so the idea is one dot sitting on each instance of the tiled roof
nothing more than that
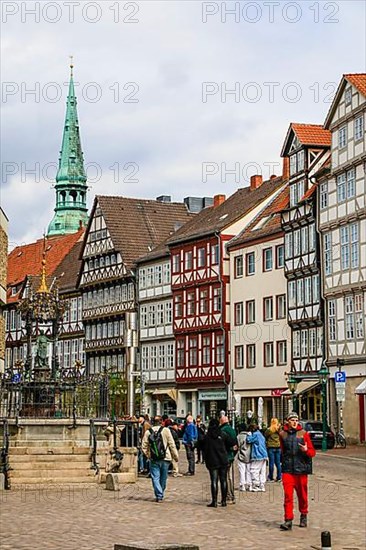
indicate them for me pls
(137, 226)
(309, 193)
(26, 259)
(270, 226)
(312, 134)
(67, 271)
(215, 219)
(358, 80)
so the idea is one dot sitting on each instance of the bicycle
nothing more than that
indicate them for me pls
(340, 439)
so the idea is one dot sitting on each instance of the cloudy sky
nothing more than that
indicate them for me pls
(154, 82)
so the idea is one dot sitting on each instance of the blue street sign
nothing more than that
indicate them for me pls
(340, 376)
(16, 378)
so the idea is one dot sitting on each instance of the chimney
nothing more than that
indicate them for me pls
(273, 177)
(255, 181)
(218, 199)
(286, 168)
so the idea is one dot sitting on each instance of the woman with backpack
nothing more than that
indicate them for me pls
(272, 435)
(245, 477)
(217, 445)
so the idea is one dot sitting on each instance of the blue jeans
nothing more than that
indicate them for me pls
(274, 456)
(159, 475)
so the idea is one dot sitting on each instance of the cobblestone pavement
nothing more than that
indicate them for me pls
(69, 518)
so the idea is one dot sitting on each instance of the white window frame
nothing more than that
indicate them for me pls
(342, 137)
(358, 127)
(323, 195)
(268, 354)
(239, 357)
(332, 320)
(327, 253)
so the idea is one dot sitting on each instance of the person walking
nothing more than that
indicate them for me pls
(229, 430)
(217, 445)
(158, 445)
(244, 451)
(297, 454)
(190, 441)
(272, 435)
(173, 427)
(201, 432)
(258, 459)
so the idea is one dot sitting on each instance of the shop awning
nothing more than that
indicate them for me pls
(303, 386)
(361, 388)
(255, 393)
(171, 392)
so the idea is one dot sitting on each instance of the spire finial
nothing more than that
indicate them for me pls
(43, 284)
(71, 65)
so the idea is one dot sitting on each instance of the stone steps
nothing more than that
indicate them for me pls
(50, 450)
(46, 457)
(53, 472)
(35, 482)
(36, 465)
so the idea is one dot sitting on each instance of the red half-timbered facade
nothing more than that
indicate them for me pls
(200, 288)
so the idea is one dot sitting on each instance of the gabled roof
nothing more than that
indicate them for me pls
(266, 223)
(67, 272)
(308, 134)
(358, 80)
(25, 260)
(137, 226)
(215, 219)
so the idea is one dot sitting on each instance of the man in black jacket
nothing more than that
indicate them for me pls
(173, 427)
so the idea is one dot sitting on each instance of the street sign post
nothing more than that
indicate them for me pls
(340, 376)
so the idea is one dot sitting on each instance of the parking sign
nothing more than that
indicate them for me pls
(340, 376)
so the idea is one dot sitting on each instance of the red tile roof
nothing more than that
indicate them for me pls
(312, 134)
(358, 80)
(270, 227)
(215, 219)
(309, 193)
(26, 259)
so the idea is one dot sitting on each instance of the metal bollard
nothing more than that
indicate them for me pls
(326, 541)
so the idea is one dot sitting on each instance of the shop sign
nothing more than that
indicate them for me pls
(277, 393)
(218, 395)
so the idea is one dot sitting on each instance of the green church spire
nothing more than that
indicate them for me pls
(71, 187)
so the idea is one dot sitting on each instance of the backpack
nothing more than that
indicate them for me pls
(244, 449)
(157, 449)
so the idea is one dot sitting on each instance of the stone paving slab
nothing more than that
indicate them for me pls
(91, 518)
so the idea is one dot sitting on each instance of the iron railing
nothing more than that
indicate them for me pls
(4, 453)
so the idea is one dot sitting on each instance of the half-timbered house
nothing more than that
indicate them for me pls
(200, 286)
(3, 277)
(342, 223)
(260, 342)
(308, 147)
(120, 230)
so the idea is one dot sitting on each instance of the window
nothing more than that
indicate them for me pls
(312, 342)
(268, 354)
(350, 325)
(176, 263)
(358, 128)
(192, 349)
(300, 160)
(204, 300)
(323, 195)
(293, 167)
(188, 260)
(250, 263)
(297, 242)
(267, 259)
(281, 306)
(307, 287)
(304, 343)
(178, 306)
(170, 356)
(219, 349)
(351, 187)
(292, 294)
(296, 343)
(342, 137)
(332, 320)
(238, 313)
(341, 187)
(312, 241)
(238, 266)
(150, 277)
(239, 357)
(359, 318)
(348, 96)
(180, 352)
(250, 311)
(328, 253)
(158, 275)
(201, 261)
(268, 309)
(304, 240)
(160, 315)
(152, 315)
(280, 256)
(143, 316)
(251, 356)
(168, 313)
(214, 254)
(153, 357)
(282, 352)
(344, 231)
(166, 273)
(216, 299)
(161, 357)
(289, 245)
(316, 289)
(354, 245)
(191, 303)
(300, 292)
(206, 350)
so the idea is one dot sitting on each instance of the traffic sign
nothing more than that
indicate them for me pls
(340, 376)
(340, 395)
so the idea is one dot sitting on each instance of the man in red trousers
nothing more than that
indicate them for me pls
(297, 452)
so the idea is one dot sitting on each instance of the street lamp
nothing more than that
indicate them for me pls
(292, 386)
(323, 377)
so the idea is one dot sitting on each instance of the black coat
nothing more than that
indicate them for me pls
(216, 446)
(175, 437)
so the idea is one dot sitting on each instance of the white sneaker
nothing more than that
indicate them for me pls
(242, 489)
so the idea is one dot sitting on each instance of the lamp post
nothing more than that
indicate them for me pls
(292, 386)
(323, 376)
